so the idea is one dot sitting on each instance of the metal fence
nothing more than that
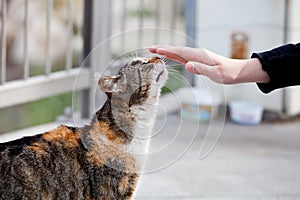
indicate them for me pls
(101, 20)
(30, 88)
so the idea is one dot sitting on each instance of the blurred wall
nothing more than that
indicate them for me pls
(263, 22)
(293, 93)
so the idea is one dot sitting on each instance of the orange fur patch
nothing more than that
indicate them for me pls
(105, 130)
(123, 185)
(46, 196)
(38, 148)
(154, 60)
(63, 135)
(113, 148)
(88, 198)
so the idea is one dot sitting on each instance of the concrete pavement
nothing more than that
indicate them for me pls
(248, 162)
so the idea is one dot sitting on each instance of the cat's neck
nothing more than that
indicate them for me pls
(130, 126)
(114, 117)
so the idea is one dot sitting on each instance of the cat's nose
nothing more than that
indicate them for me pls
(154, 60)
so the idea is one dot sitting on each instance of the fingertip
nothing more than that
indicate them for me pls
(155, 48)
(160, 50)
(152, 49)
(190, 66)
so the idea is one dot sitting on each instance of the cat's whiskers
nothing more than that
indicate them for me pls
(164, 59)
(176, 74)
(172, 70)
(131, 56)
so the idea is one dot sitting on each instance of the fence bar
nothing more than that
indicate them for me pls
(101, 56)
(190, 20)
(157, 20)
(48, 37)
(124, 15)
(86, 60)
(38, 87)
(3, 42)
(111, 17)
(87, 30)
(25, 50)
(69, 52)
(123, 21)
(173, 21)
(141, 23)
(285, 38)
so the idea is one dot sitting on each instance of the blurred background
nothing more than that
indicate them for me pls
(52, 51)
(43, 43)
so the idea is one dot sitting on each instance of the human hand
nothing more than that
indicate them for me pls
(218, 68)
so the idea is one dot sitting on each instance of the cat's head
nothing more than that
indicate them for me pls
(138, 82)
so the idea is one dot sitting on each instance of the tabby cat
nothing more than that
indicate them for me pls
(101, 160)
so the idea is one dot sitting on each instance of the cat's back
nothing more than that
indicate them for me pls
(41, 166)
(67, 163)
(40, 145)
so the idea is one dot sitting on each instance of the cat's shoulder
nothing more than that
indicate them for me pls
(63, 134)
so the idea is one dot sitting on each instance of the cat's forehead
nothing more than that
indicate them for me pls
(140, 59)
(142, 64)
(151, 60)
(135, 63)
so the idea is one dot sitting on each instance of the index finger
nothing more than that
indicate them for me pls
(185, 54)
(153, 49)
(171, 55)
(169, 52)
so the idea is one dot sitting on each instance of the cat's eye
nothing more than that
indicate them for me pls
(135, 62)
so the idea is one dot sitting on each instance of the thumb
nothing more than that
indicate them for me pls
(206, 70)
(195, 67)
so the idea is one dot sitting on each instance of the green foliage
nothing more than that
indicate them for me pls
(175, 81)
(33, 113)
(137, 13)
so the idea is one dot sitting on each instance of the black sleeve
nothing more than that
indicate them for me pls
(282, 65)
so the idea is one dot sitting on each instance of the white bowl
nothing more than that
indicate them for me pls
(246, 112)
(199, 104)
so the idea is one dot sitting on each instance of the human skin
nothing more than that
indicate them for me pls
(218, 68)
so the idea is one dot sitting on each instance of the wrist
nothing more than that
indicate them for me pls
(251, 71)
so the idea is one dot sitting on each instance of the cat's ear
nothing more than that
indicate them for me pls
(111, 84)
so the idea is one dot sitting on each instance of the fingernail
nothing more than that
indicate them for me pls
(191, 65)
(152, 48)
(160, 49)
